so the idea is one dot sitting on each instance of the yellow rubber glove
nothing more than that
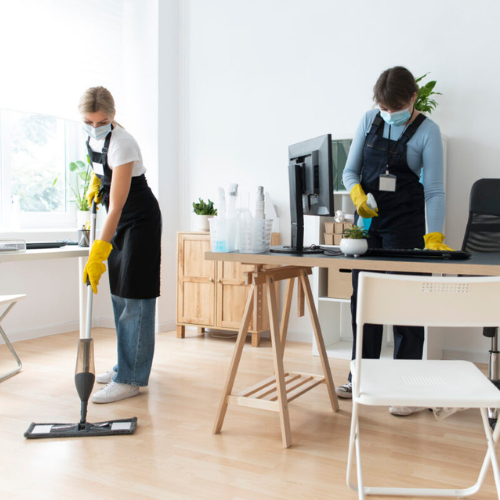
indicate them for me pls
(434, 241)
(359, 198)
(93, 190)
(95, 268)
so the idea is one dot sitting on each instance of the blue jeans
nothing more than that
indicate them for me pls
(135, 331)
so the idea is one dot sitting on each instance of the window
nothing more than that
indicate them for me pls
(36, 182)
(56, 50)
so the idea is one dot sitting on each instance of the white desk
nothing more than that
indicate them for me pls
(57, 253)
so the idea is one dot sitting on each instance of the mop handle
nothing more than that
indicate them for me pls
(90, 294)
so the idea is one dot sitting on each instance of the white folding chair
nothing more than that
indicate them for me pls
(425, 301)
(10, 301)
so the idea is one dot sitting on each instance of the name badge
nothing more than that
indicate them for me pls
(387, 182)
(98, 168)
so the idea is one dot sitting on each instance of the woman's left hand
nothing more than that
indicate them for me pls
(434, 241)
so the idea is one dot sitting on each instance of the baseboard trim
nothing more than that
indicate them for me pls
(166, 326)
(300, 336)
(46, 331)
(466, 355)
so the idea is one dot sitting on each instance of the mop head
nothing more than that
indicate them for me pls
(109, 428)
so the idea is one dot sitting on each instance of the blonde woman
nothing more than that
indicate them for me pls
(130, 240)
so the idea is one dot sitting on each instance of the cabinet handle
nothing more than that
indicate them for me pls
(211, 280)
(219, 281)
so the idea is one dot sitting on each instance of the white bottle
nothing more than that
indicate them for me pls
(221, 203)
(233, 197)
(259, 204)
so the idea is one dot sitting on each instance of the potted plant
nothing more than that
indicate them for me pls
(204, 211)
(424, 102)
(79, 189)
(354, 241)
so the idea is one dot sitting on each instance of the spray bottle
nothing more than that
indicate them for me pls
(233, 197)
(259, 203)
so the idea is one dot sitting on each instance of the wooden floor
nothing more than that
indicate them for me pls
(174, 455)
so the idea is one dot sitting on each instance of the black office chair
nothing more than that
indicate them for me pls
(482, 235)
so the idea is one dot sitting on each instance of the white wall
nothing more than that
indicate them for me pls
(268, 73)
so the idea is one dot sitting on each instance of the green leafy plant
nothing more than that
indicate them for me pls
(424, 102)
(79, 189)
(203, 208)
(355, 233)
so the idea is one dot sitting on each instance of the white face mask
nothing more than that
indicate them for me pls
(99, 132)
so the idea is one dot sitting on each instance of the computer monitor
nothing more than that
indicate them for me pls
(310, 173)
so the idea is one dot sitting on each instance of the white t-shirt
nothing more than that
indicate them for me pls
(123, 148)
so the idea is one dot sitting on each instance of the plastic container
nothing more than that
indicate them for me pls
(223, 234)
(83, 237)
(254, 235)
(12, 245)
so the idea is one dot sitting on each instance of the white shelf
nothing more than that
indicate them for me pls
(343, 350)
(333, 299)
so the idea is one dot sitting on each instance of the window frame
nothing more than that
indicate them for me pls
(74, 149)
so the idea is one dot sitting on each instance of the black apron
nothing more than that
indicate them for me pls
(401, 214)
(134, 263)
(400, 224)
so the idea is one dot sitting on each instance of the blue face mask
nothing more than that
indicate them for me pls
(99, 132)
(396, 119)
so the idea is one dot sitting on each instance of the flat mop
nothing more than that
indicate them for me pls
(84, 381)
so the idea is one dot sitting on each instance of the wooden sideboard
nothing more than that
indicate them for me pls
(213, 294)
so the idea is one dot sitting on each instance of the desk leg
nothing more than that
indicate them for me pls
(319, 340)
(82, 295)
(286, 312)
(279, 371)
(9, 345)
(235, 361)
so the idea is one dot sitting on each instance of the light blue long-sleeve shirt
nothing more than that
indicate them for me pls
(424, 155)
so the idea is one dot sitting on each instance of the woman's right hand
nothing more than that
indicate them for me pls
(359, 199)
(93, 190)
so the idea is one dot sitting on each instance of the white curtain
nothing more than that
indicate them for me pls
(51, 51)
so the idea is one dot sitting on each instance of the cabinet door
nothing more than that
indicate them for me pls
(232, 294)
(195, 281)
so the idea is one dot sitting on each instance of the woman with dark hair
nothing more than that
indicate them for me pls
(392, 147)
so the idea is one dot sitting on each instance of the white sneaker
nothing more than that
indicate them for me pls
(105, 378)
(344, 391)
(404, 411)
(115, 392)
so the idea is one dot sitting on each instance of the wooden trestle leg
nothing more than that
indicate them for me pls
(235, 361)
(274, 393)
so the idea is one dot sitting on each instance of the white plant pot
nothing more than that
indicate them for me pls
(349, 246)
(82, 217)
(202, 222)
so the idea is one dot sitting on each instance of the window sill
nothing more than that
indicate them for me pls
(34, 234)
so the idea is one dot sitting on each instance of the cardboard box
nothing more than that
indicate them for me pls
(340, 283)
(329, 227)
(348, 225)
(332, 239)
(339, 227)
(337, 238)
